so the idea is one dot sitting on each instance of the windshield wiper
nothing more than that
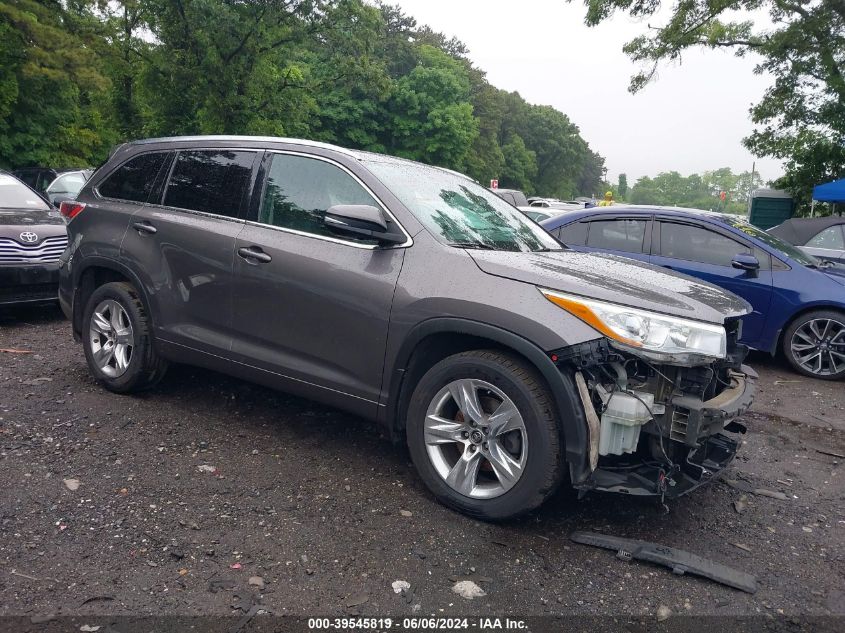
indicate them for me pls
(478, 245)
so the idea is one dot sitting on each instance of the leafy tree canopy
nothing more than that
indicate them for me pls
(78, 76)
(801, 117)
(696, 191)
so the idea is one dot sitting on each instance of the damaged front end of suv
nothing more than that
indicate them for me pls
(659, 394)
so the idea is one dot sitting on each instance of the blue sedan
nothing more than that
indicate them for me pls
(798, 301)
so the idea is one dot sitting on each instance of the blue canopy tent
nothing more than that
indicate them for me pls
(832, 192)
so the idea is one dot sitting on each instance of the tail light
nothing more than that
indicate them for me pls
(70, 208)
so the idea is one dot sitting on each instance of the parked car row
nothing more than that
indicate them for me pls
(413, 296)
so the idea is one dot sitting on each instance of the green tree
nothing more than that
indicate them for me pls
(622, 188)
(697, 191)
(432, 118)
(51, 85)
(77, 76)
(591, 179)
(520, 164)
(801, 117)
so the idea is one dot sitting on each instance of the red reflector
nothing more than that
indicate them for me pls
(554, 358)
(70, 208)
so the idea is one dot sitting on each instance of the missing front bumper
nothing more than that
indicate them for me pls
(682, 445)
(702, 465)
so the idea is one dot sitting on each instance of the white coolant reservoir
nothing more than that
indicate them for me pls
(622, 420)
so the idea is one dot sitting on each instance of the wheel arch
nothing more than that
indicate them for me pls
(777, 346)
(96, 272)
(435, 339)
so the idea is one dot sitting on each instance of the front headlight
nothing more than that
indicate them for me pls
(648, 334)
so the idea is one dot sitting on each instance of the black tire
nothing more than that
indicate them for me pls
(827, 373)
(145, 368)
(543, 470)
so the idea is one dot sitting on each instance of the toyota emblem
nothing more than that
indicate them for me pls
(29, 237)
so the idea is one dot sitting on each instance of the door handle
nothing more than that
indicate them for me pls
(144, 227)
(254, 253)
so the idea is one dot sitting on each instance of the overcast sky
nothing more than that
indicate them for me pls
(691, 119)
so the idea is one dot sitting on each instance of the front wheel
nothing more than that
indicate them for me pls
(482, 433)
(814, 344)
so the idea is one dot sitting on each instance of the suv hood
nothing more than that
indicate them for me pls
(616, 280)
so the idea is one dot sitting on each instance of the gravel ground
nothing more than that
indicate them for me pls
(210, 495)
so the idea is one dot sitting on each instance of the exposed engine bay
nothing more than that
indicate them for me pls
(658, 429)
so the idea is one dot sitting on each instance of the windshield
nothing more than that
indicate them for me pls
(770, 240)
(458, 211)
(16, 195)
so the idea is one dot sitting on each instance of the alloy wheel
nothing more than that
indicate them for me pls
(818, 346)
(475, 438)
(111, 336)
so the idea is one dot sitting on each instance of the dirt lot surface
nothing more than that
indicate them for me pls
(188, 494)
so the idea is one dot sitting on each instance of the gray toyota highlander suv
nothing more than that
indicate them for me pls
(413, 296)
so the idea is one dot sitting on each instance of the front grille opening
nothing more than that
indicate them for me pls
(48, 251)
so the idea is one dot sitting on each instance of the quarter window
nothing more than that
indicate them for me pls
(133, 181)
(211, 181)
(696, 244)
(830, 238)
(299, 191)
(617, 235)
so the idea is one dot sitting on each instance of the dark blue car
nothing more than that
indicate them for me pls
(798, 301)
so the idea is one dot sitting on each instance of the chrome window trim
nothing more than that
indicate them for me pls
(205, 214)
(408, 241)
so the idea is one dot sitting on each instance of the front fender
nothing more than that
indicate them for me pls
(570, 413)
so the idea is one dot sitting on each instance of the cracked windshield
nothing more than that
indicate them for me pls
(458, 211)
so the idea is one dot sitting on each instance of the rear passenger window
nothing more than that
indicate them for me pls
(574, 234)
(133, 181)
(211, 181)
(617, 235)
(299, 191)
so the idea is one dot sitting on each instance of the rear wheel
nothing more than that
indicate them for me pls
(814, 344)
(117, 342)
(482, 433)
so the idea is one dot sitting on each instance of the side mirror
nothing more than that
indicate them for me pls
(746, 261)
(360, 220)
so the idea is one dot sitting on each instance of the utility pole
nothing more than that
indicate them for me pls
(751, 186)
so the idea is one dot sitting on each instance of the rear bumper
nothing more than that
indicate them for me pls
(28, 283)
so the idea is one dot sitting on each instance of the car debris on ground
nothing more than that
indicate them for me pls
(679, 561)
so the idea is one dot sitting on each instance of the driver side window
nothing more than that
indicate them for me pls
(697, 244)
(300, 190)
